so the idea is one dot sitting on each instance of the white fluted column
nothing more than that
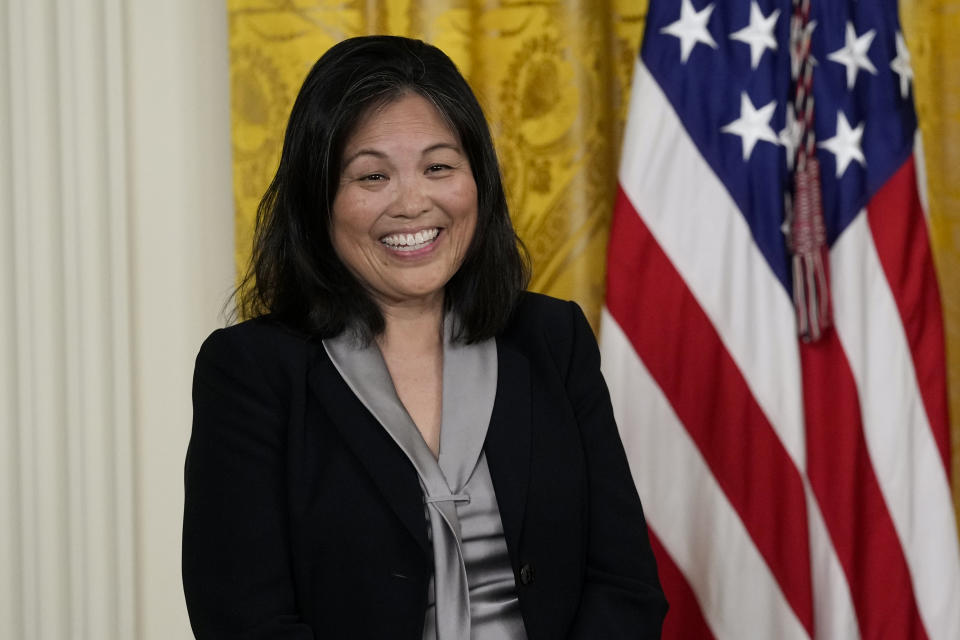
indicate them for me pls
(115, 255)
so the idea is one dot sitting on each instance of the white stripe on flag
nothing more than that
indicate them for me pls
(833, 613)
(689, 512)
(707, 239)
(904, 454)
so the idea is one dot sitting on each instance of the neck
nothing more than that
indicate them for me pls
(412, 327)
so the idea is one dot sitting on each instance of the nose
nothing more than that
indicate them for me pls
(412, 198)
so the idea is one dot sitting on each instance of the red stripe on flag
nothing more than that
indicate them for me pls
(900, 236)
(684, 618)
(846, 488)
(683, 353)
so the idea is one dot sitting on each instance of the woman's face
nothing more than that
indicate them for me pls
(406, 207)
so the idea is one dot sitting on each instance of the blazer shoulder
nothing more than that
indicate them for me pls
(536, 312)
(545, 327)
(256, 336)
(260, 344)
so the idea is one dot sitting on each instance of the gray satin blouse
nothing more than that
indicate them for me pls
(472, 593)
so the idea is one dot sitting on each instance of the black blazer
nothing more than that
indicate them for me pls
(303, 518)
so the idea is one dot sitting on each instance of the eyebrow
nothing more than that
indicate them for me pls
(379, 154)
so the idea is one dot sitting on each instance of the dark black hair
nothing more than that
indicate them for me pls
(294, 273)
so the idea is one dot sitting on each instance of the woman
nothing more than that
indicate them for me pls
(404, 444)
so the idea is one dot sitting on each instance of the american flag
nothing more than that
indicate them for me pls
(794, 488)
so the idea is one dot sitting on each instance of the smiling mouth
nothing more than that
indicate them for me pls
(411, 241)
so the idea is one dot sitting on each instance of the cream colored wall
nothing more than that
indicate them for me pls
(116, 254)
(182, 235)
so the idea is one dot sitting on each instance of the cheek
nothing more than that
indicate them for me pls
(468, 194)
(469, 217)
(463, 236)
(345, 238)
(463, 201)
(351, 217)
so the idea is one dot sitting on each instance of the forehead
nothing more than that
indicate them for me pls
(409, 116)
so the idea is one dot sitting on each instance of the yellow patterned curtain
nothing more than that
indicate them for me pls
(931, 28)
(553, 78)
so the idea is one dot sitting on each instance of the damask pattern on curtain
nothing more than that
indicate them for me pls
(931, 28)
(553, 78)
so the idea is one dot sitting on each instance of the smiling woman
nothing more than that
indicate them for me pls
(295, 275)
(399, 427)
(406, 208)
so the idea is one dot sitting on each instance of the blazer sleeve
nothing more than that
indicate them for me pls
(236, 557)
(621, 597)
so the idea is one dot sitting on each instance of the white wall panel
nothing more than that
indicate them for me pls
(182, 238)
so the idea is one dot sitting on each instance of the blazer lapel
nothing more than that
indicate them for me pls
(384, 461)
(508, 442)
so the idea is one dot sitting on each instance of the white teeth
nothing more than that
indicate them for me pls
(410, 241)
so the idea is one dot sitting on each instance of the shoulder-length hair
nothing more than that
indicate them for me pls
(295, 275)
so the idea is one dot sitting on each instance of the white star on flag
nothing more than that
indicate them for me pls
(691, 28)
(790, 135)
(901, 65)
(845, 144)
(759, 33)
(752, 125)
(853, 55)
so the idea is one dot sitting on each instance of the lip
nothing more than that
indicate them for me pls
(415, 253)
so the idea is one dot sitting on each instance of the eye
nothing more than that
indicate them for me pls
(435, 168)
(373, 177)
